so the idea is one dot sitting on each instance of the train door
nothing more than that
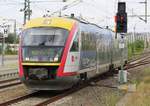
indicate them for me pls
(73, 58)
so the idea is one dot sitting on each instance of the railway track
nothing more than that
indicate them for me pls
(145, 54)
(48, 100)
(8, 75)
(9, 80)
(138, 62)
(17, 99)
(76, 88)
(53, 97)
(9, 83)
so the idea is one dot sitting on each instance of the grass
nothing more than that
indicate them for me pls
(135, 48)
(142, 96)
(111, 96)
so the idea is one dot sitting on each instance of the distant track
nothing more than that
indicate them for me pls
(17, 99)
(9, 74)
(9, 80)
(8, 69)
(139, 62)
(9, 83)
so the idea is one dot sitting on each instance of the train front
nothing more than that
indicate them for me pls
(42, 54)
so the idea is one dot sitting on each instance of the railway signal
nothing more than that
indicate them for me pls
(121, 18)
(121, 27)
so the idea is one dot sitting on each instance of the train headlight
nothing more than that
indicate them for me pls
(56, 58)
(51, 59)
(27, 58)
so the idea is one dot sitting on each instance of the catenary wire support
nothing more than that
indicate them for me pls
(141, 16)
(27, 11)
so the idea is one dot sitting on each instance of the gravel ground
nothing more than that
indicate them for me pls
(30, 102)
(99, 95)
(36, 99)
(135, 77)
(93, 95)
(12, 92)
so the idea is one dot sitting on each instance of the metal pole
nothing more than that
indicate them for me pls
(28, 9)
(3, 50)
(133, 39)
(15, 27)
(15, 33)
(25, 12)
(121, 78)
(122, 37)
(122, 72)
(146, 11)
(97, 56)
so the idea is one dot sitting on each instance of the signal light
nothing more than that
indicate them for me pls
(121, 18)
(121, 21)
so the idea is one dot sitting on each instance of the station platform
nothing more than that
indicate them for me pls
(10, 64)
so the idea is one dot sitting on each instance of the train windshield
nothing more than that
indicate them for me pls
(43, 44)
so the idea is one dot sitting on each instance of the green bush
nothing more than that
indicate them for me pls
(139, 45)
(9, 51)
(135, 48)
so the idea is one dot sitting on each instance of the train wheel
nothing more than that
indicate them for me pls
(125, 63)
(111, 69)
(83, 76)
(119, 68)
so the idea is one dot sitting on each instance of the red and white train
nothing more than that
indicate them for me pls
(55, 53)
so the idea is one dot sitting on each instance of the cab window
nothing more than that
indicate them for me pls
(75, 45)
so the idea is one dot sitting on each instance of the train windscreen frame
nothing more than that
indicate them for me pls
(43, 44)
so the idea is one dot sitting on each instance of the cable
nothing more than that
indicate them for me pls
(45, 1)
(38, 7)
(72, 4)
(96, 6)
(136, 15)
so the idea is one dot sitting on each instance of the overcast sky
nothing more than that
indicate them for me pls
(101, 12)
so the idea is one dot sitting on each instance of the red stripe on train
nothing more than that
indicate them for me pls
(20, 61)
(65, 53)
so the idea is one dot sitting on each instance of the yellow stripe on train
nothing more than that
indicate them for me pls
(50, 22)
(40, 64)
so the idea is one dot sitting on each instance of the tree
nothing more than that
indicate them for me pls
(11, 38)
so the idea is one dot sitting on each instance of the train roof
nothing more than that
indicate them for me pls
(61, 22)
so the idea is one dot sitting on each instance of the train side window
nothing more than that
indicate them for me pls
(75, 45)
